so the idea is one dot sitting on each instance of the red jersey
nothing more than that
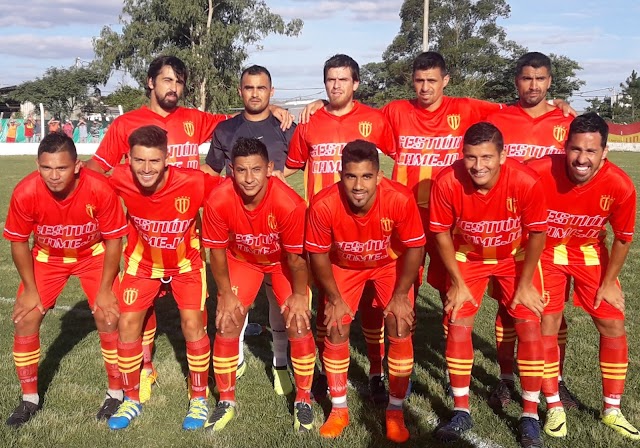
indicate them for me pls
(578, 213)
(318, 144)
(431, 141)
(69, 229)
(186, 130)
(162, 240)
(493, 226)
(362, 242)
(526, 137)
(256, 236)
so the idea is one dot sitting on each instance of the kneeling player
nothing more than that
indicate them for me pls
(78, 223)
(365, 230)
(584, 191)
(495, 209)
(162, 247)
(254, 225)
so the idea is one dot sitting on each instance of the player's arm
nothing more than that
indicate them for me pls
(94, 166)
(526, 294)
(30, 298)
(283, 116)
(296, 306)
(311, 109)
(106, 300)
(214, 162)
(400, 305)
(228, 303)
(564, 106)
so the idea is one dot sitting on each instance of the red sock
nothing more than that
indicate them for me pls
(225, 364)
(26, 355)
(505, 342)
(198, 358)
(400, 365)
(336, 366)
(373, 330)
(614, 361)
(530, 364)
(321, 329)
(109, 346)
(303, 360)
(550, 376)
(148, 336)
(459, 356)
(563, 332)
(129, 363)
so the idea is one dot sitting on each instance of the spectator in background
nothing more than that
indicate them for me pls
(54, 125)
(37, 130)
(96, 129)
(82, 131)
(12, 131)
(29, 128)
(67, 128)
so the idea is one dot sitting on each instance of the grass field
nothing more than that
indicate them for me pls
(72, 378)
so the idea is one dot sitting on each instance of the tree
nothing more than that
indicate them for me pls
(627, 106)
(211, 37)
(128, 97)
(601, 107)
(62, 91)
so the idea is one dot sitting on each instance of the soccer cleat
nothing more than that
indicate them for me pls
(22, 414)
(556, 423)
(502, 394)
(302, 417)
(396, 430)
(197, 414)
(530, 436)
(568, 400)
(335, 424)
(109, 407)
(126, 412)
(615, 420)
(378, 391)
(222, 414)
(319, 387)
(453, 430)
(147, 379)
(281, 380)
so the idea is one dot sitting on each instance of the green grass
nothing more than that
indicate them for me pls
(72, 379)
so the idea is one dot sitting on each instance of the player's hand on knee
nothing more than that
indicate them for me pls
(402, 309)
(334, 311)
(299, 313)
(229, 312)
(457, 296)
(27, 301)
(611, 294)
(107, 302)
(529, 297)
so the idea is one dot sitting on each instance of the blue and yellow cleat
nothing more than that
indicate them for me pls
(197, 414)
(126, 412)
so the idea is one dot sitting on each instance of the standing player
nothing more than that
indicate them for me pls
(365, 230)
(78, 223)
(494, 208)
(254, 225)
(531, 129)
(317, 147)
(162, 203)
(584, 192)
(257, 121)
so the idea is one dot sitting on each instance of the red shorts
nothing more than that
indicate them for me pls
(246, 279)
(351, 283)
(586, 281)
(138, 294)
(52, 277)
(504, 275)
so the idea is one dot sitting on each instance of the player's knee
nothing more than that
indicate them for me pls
(294, 332)
(192, 327)
(334, 336)
(610, 328)
(101, 322)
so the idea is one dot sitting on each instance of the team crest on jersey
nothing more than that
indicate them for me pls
(386, 224)
(453, 121)
(90, 208)
(365, 128)
(130, 295)
(182, 204)
(560, 133)
(605, 202)
(512, 205)
(272, 222)
(189, 128)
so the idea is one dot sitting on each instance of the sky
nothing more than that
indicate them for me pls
(603, 37)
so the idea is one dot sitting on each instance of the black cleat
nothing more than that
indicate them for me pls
(109, 407)
(320, 387)
(22, 414)
(530, 434)
(378, 391)
(502, 394)
(566, 397)
(452, 431)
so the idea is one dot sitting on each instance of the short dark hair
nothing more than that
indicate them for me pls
(150, 136)
(342, 60)
(590, 122)
(429, 60)
(255, 70)
(533, 59)
(57, 142)
(245, 147)
(179, 68)
(484, 132)
(360, 151)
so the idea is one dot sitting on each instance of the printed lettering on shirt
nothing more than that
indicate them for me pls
(531, 151)
(483, 233)
(260, 244)
(563, 225)
(184, 151)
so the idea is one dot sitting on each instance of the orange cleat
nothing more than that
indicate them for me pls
(335, 424)
(396, 430)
